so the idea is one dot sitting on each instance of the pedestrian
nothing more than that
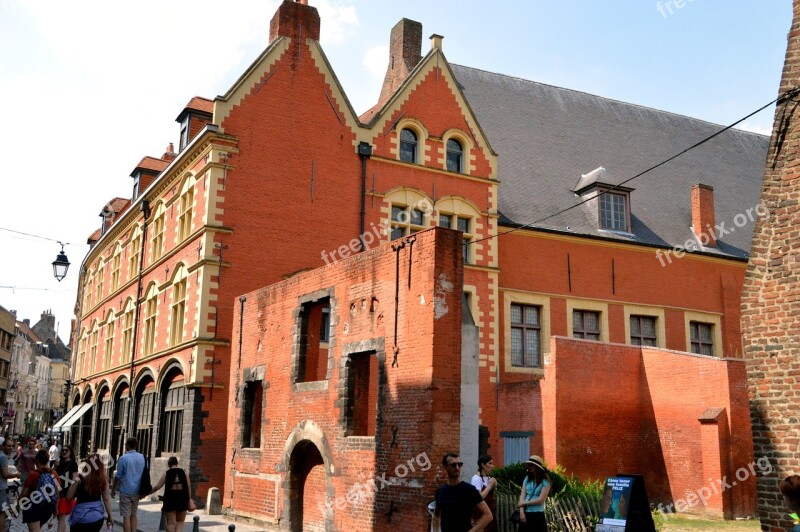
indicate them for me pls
(66, 469)
(486, 486)
(5, 474)
(90, 491)
(177, 495)
(53, 450)
(128, 478)
(790, 489)
(456, 501)
(41, 491)
(533, 495)
(26, 461)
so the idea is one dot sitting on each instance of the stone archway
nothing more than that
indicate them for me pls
(307, 488)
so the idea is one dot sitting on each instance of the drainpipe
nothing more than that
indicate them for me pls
(365, 152)
(146, 212)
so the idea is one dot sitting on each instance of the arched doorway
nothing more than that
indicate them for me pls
(103, 419)
(119, 420)
(307, 488)
(143, 415)
(83, 425)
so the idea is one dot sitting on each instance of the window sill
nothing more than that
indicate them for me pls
(525, 370)
(310, 386)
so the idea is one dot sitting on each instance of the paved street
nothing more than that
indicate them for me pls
(150, 518)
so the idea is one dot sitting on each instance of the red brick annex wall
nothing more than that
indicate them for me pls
(305, 425)
(681, 420)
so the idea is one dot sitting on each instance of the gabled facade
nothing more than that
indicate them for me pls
(283, 177)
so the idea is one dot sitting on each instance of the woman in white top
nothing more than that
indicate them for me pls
(486, 485)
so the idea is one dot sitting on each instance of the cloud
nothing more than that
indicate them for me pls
(755, 128)
(376, 60)
(339, 20)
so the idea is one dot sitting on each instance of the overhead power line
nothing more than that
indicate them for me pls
(780, 100)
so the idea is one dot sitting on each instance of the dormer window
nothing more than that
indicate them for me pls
(455, 154)
(608, 201)
(184, 132)
(136, 181)
(614, 212)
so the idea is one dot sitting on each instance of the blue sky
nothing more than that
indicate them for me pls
(92, 86)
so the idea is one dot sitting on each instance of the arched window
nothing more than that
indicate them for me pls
(99, 283)
(127, 332)
(178, 307)
(133, 256)
(187, 205)
(109, 347)
(158, 233)
(455, 156)
(408, 146)
(104, 420)
(115, 262)
(93, 345)
(150, 312)
(173, 400)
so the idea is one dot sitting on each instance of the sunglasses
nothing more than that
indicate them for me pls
(455, 464)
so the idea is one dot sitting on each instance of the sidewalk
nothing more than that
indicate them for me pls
(149, 519)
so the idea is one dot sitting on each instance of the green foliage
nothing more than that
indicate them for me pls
(658, 518)
(509, 481)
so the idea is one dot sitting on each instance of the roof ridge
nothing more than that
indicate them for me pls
(640, 106)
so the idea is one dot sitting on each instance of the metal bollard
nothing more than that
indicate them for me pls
(196, 525)
(231, 528)
(163, 524)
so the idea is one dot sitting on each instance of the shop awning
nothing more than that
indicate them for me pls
(57, 426)
(75, 417)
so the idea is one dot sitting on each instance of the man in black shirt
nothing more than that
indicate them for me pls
(456, 500)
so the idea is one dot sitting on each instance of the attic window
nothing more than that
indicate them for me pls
(614, 212)
(184, 132)
(408, 146)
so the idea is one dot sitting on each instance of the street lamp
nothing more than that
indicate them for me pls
(60, 265)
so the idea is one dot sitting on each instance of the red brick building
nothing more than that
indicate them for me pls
(279, 175)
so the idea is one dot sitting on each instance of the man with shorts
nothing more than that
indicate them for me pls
(128, 479)
(456, 500)
(5, 474)
(53, 450)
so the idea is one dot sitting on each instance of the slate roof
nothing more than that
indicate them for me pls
(547, 137)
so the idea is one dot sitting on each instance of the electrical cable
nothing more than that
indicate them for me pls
(780, 100)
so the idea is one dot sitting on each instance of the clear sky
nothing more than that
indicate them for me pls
(90, 87)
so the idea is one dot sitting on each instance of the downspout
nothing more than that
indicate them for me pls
(146, 212)
(365, 152)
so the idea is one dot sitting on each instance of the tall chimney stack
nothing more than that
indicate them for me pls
(703, 214)
(295, 20)
(405, 47)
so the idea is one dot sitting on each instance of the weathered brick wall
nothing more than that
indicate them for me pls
(418, 400)
(611, 408)
(771, 301)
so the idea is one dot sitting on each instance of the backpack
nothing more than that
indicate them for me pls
(48, 486)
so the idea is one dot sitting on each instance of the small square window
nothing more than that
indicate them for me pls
(702, 337)
(643, 330)
(614, 212)
(586, 324)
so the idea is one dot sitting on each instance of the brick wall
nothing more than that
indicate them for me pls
(771, 302)
(612, 408)
(416, 410)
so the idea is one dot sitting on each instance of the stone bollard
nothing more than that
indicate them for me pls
(196, 524)
(213, 502)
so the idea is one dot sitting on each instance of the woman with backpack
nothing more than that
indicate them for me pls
(93, 497)
(177, 495)
(533, 495)
(43, 481)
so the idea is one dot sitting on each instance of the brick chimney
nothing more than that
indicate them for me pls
(170, 154)
(405, 47)
(293, 20)
(703, 214)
